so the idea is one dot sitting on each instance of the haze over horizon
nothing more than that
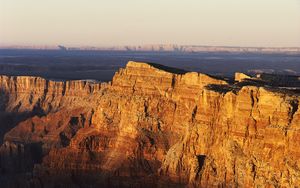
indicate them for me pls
(247, 23)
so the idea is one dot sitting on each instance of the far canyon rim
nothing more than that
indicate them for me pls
(102, 65)
(150, 94)
(151, 126)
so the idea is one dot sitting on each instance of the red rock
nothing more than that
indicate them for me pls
(151, 126)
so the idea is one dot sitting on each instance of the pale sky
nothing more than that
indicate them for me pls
(136, 22)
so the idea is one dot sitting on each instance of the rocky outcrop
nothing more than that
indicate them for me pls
(26, 93)
(238, 77)
(151, 126)
(245, 141)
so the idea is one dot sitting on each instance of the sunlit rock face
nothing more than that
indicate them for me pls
(152, 126)
(238, 77)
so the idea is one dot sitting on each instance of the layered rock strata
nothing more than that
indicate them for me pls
(151, 126)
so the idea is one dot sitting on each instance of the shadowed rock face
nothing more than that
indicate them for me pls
(151, 126)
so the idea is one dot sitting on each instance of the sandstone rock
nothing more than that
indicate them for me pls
(151, 126)
(238, 77)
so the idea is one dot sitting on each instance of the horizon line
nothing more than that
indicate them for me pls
(49, 46)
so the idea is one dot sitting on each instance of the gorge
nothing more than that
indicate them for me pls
(151, 126)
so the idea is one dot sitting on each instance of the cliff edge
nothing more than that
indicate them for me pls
(151, 126)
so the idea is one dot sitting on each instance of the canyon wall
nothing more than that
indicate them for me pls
(151, 126)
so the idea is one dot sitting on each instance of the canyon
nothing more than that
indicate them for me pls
(151, 126)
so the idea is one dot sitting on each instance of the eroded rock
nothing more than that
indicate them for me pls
(151, 126)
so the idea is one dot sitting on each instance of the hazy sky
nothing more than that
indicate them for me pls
(132, 22)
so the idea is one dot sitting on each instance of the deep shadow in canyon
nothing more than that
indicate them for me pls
(152, 126)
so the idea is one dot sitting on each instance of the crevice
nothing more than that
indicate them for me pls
(45, 90)
(194, 113)
(173, 81)
(146, 109)
(201, 161)
(252, 99)
(30, 100)
(91, 117)
(294, 108)
(64, 88)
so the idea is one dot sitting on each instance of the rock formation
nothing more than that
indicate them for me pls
(238, 77)
(151, 126)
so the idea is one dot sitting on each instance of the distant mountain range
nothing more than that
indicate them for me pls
(170, 48)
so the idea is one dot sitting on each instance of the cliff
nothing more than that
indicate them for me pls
(152, 126)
